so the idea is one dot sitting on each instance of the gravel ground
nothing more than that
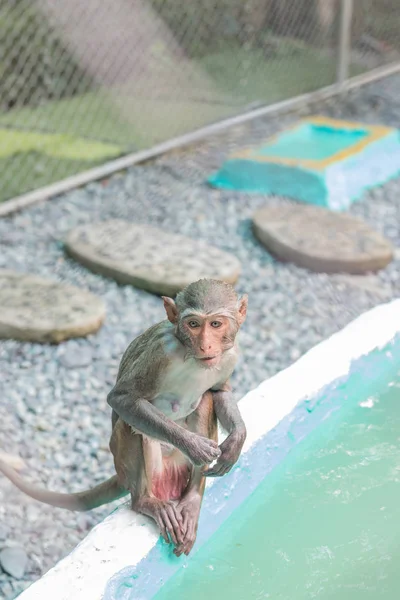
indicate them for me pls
(56, 416)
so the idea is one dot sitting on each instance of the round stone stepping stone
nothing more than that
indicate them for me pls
(320, 240)
(147, 257)
(36, 309)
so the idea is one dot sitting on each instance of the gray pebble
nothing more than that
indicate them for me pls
(4, 531)
(6, 590)
(75, 357)
(14, 561)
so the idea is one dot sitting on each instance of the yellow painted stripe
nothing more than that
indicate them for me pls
(376, 132)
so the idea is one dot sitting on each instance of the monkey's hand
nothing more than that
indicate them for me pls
(230, 452)
(200, 450)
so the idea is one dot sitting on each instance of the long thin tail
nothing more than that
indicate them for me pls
(103, 493)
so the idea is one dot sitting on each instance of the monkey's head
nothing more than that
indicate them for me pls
(207, 315)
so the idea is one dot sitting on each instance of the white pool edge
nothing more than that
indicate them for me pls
(124, 538)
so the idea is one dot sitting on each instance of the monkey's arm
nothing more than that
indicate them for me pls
(145, 418)
(227, 410)
(229, 416)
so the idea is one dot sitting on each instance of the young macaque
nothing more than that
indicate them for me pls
(172, 386)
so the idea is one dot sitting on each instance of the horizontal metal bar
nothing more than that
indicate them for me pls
(65, 185)
(371, 76)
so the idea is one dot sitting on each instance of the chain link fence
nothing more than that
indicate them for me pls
(85, 82)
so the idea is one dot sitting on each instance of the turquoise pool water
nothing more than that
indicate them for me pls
(313, 142)
(325, 523)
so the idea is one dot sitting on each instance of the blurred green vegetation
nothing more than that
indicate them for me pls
(244, 76)
(45, 92)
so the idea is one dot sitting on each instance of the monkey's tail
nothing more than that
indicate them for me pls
(103, 493)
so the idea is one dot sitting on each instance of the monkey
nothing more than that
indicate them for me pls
(172, 387)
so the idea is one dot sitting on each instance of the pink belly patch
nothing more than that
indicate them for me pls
(172, 482)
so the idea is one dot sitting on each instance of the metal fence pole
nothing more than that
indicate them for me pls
(343, 64)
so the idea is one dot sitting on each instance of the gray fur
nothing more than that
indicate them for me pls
(208, 295)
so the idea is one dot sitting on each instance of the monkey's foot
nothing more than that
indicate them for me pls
(189, 509)
(165, 514)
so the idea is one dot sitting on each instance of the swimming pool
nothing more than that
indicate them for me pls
(325, 523)
(309, 512)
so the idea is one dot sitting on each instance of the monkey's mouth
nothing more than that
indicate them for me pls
(209, 360)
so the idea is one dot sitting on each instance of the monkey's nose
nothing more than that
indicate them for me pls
(205, 347)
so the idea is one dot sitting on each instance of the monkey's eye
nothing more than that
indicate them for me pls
(193, 324)
(216, 324)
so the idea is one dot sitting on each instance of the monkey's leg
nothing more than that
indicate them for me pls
(204, 422)
(140, 469)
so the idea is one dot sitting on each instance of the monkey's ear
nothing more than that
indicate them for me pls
(242, 310)
(170, 309)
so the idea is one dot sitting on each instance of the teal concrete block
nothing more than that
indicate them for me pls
(320, 161)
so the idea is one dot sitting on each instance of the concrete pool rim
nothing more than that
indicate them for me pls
(123, 556)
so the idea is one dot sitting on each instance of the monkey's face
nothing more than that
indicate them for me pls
(207, 321)
(207, 337)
